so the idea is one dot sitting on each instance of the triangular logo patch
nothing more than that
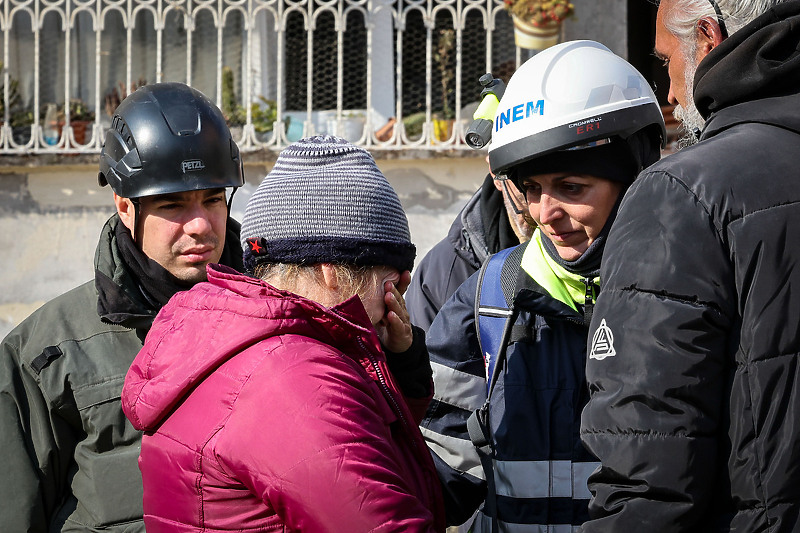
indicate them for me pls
(602, 342)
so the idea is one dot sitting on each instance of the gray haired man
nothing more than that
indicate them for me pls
(694, 346)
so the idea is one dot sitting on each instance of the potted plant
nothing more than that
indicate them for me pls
(443, 120)
(413, 125)
(235, 114)
(21, 122)
(13, 95)
(352, 124)
(264, 113)
(229, 103)
(537, 23)
(80, 118)
(19, 119)
(116, 95)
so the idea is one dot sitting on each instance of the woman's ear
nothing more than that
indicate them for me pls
(329, 277)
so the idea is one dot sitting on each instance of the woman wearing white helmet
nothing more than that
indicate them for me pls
(573, 129)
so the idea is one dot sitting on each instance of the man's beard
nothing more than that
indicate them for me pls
(691, 120)
(691, 124)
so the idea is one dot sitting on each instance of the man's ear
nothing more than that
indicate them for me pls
(126, 211)
(497, 184)
(709, 36)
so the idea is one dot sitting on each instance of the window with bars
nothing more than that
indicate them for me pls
(378, 73)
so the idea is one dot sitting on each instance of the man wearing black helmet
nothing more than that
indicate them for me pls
(70, 454)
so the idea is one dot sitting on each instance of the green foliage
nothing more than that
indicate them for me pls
(413, 124)
(18, 116)
(263, 113)
(445, 46)
(264, 116)
(230, 107)
(78, 110)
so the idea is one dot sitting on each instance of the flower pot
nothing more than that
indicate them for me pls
(442, 128)
(353, 128)
(237, 134)
(350, 128)
(79, 128)
(526, 35)
(264, 136)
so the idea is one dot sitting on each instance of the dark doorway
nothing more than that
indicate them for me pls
(641, 38)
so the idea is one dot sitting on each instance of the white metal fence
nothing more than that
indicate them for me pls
(396, 74)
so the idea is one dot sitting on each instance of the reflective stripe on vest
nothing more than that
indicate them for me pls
(460, 454)
(459, 389)
(543, 479)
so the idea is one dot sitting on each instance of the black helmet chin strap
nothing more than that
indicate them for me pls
(230, 200)
(136, 211)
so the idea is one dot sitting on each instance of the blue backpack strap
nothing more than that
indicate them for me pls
(491, 312)
(492, 315)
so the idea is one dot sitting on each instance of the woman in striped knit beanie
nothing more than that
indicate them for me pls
(288, 399)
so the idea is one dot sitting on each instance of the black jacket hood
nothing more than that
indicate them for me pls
(120, 297)
(749, 71)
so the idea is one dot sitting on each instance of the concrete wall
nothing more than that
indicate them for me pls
(600, 20)
(51, 216)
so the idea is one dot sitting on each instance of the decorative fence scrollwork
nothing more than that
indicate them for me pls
(396, 75)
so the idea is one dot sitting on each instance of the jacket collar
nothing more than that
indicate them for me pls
(121, 298)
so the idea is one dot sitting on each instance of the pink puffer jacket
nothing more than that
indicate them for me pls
(264, 411)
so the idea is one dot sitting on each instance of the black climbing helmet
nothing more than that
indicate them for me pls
(166, 138)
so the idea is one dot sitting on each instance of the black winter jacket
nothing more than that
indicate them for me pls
(694, 348)
(482, 228)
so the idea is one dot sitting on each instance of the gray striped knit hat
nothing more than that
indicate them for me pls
(325, 201)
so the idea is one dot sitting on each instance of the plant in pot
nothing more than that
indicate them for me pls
(13, 95)
(235, 114)
(116, 95)
(413, 125)
(80, 119)
(264, 113)
(445, 46)
(21, 122)
(352, 125)
(537, 23)
(19, 119)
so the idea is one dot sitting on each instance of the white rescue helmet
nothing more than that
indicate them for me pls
(572, 95)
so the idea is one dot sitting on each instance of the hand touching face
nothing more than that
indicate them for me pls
(387, 308)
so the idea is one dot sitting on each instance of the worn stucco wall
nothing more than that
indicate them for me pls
(51, 216)
(600, 20)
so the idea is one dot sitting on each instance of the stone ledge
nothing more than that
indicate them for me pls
(16, 163)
